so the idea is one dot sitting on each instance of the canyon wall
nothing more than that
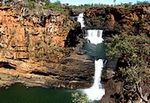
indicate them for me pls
(133, 20)
(130, 23)
(40, 47)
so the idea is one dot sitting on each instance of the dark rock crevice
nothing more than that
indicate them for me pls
(7, 65)
(73, 38)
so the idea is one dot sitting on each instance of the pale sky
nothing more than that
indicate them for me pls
(79, 2)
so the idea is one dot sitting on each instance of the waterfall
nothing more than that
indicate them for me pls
(96, 91)
(95, 37)
(80, 19)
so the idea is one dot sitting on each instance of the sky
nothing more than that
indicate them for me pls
(79, 2)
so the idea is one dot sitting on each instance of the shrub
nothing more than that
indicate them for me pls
(79, 98)
(128, 46)
(135, 51)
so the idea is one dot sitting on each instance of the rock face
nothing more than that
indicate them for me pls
(133, 20)
(21, 35)
(38, 48)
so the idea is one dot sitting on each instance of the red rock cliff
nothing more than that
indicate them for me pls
(113, 20)
(33, 49)
(20, 35)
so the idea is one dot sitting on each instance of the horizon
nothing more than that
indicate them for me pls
(109, 2)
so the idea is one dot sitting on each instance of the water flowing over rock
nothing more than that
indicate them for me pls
(81, 19)
(95, 92)
(119, 21)
(94, 36)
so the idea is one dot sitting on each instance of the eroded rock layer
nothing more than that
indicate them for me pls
(133, 20)
(39, 47)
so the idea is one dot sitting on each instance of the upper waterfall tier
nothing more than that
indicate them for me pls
(81, 19)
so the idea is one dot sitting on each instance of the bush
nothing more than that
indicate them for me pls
(130, 47)
(135, 51)
(79, 98)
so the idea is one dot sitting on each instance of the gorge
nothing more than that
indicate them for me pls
(47, 53)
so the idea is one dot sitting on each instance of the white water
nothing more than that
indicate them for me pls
(95, 92)
(94, 36)
(81, 19)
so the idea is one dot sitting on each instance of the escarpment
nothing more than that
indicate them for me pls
(114, 20)
(127, 35)
(41, 45)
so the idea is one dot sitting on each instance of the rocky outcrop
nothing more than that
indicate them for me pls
(72, 72)
(21, 35)
(40, 47)
(120, 92)
(133, 20)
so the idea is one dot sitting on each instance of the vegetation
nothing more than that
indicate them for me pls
(55, 6)
(31, 4)
(124, 5)
(143, 2)
(79, 98)
(134, 51)
(133, 69)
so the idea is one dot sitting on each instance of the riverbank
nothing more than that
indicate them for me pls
(55, 75)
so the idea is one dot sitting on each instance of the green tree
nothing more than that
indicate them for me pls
(133, 50)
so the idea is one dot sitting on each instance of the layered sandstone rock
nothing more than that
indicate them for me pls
(133, 20)
(20, 35)
(38, 47)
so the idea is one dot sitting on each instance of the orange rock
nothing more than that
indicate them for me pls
(27, 32)
(58, 40)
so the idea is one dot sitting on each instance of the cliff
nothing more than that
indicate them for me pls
(127, 36)
(114, 20)
(39, 47)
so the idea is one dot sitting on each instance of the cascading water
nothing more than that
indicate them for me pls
(96, 91)
(95, 37)
(80, 19)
